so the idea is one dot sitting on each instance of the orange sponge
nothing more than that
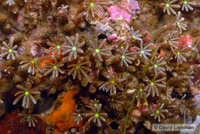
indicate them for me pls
(63, 117)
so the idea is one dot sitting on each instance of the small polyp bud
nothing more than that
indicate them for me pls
(17, 78)
(73, 130)
(82, 24)
(17, 36)
(92, 89)
(15, 9)
(61, 12)
(7, 28)
(3, 19)
(52, 90)
(69, 27)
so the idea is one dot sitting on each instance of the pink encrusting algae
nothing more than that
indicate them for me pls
(115, 12)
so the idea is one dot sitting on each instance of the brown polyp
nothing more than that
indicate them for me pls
(3, 19)
(92, 89)
(84, 82)
(70, 26)
(82, 24)
(73, 130)
(53, 90)
(15, 9)
(26, 21)
(18, 79)
(17, 36)
(4, 4)
(7, 28)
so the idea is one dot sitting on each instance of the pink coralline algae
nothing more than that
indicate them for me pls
(115, 12)
(132, 50)
(162, 53)
(142, 108)
(112, 38)
(133, 7)
(94, 74)
(111, 70)
(186, 40)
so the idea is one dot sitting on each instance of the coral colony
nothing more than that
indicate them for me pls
(98, 66)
